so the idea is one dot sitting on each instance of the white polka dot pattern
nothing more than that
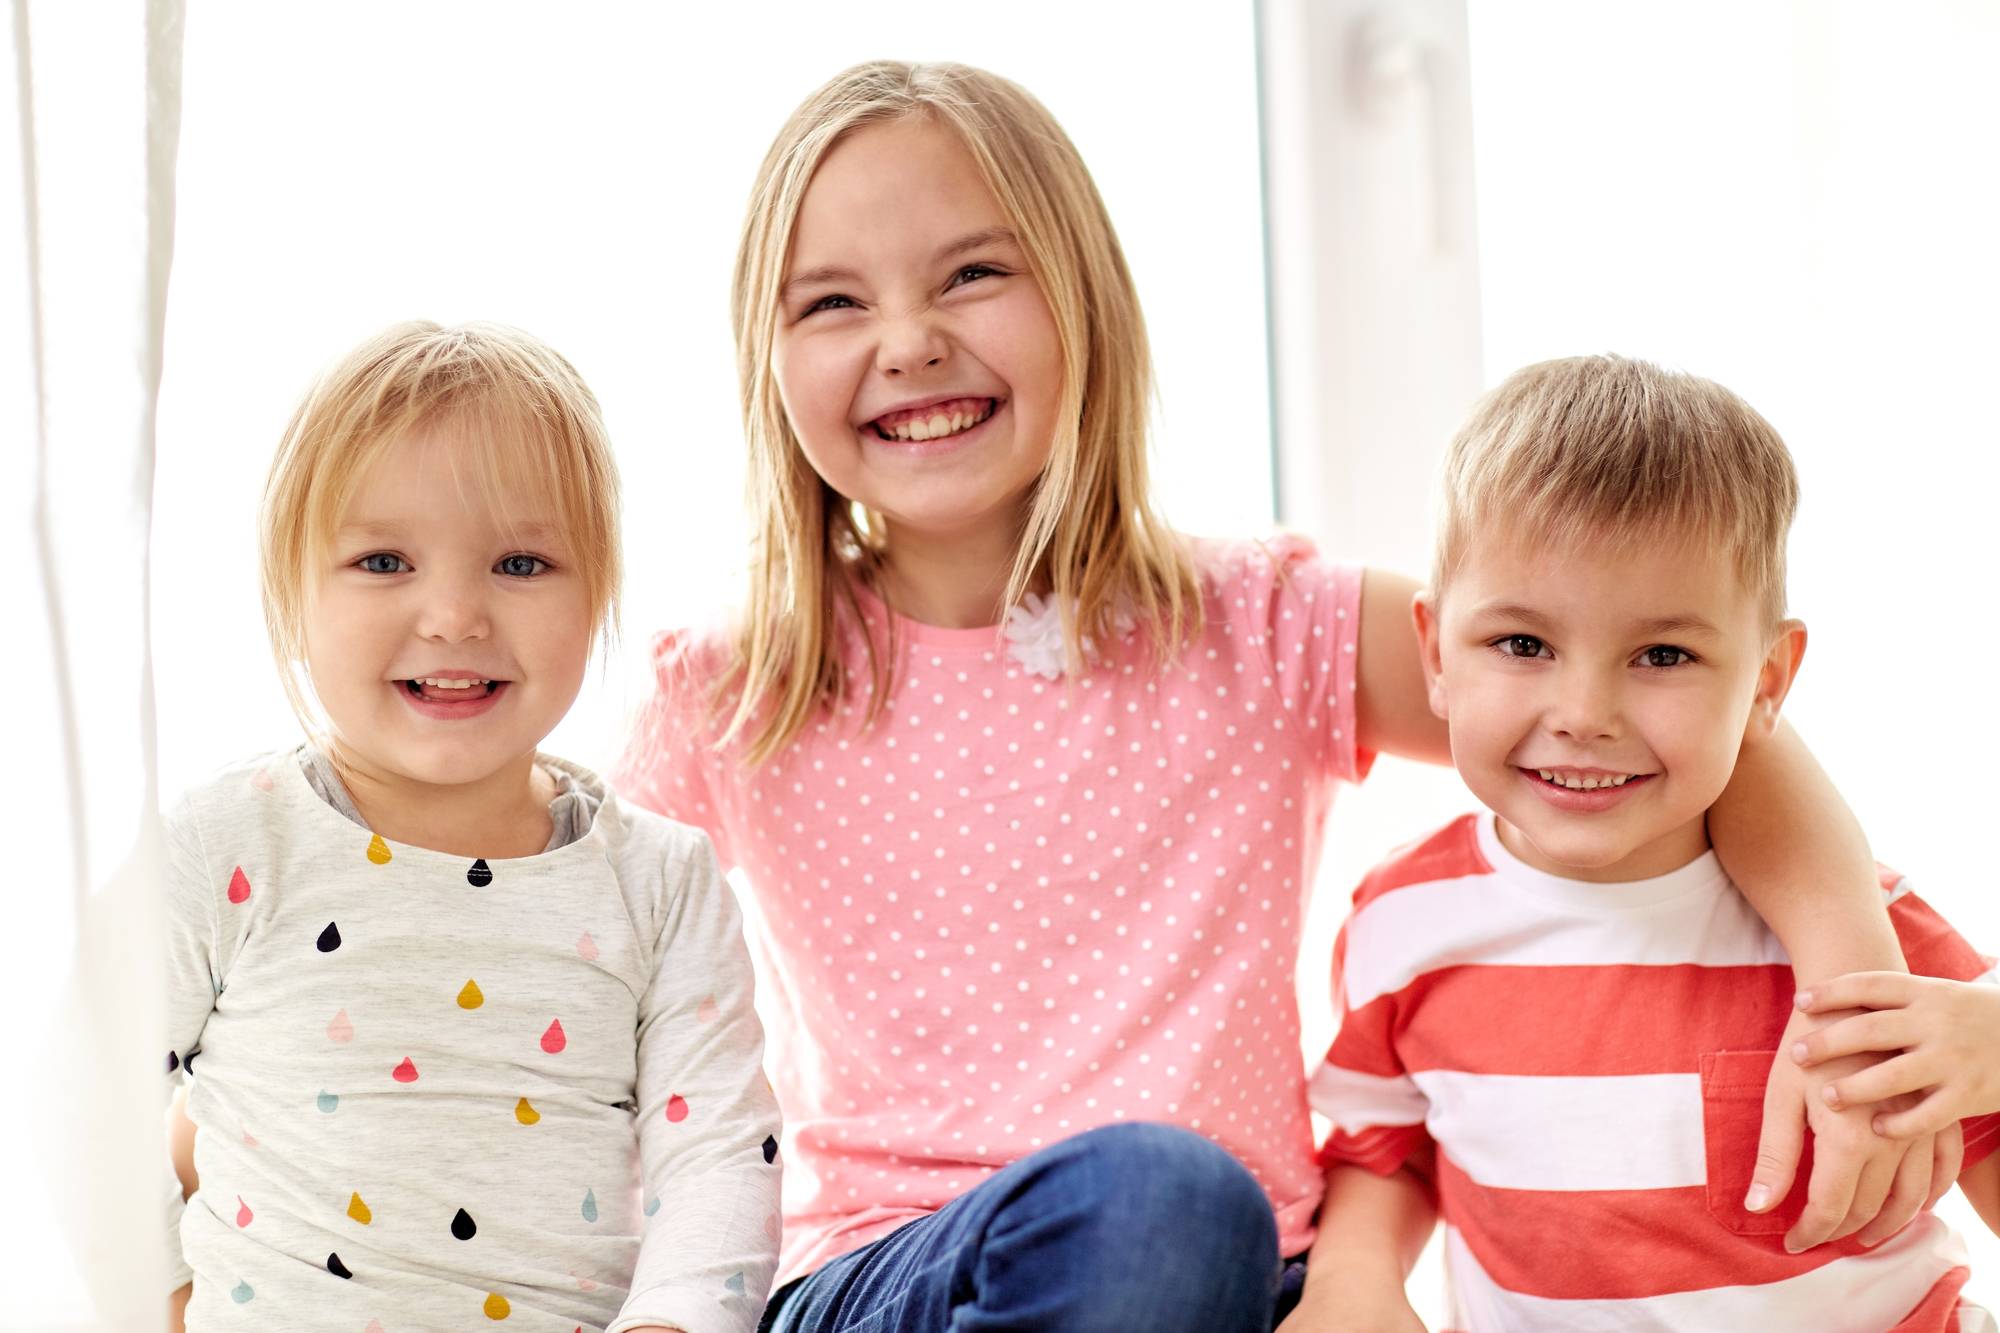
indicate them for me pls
(1016, 908)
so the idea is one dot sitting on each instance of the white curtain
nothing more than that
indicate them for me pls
(89, 121)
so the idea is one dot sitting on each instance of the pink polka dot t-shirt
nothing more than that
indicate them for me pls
(1020, 905)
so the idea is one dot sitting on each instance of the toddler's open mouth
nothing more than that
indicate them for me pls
(451, 689)
(936, 422)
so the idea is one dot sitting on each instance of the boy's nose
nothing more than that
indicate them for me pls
(1584, 708)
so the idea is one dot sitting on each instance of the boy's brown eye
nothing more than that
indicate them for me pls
(1521, 645)
(1663, 656)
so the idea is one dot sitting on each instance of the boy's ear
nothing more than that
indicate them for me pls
(1423, 608)
(1775, 677)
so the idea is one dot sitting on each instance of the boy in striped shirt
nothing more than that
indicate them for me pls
(1558, 1014)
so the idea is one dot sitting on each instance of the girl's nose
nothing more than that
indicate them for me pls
(454, 613)
(910, 345)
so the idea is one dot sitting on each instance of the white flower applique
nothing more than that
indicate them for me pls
(1035, 635)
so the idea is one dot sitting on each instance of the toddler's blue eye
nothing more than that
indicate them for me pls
(521, 566)
(381, 562)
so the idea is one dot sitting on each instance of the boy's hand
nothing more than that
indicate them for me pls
(1861, 1181)
(1943, 1038)
(1358, 1308)
(177, 1305)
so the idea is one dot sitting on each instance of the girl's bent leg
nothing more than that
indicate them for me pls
(1122, 1228)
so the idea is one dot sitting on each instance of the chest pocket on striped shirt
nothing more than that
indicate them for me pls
(1732, 1111)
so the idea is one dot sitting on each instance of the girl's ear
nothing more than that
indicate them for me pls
(1423, 608)
(1775, 677)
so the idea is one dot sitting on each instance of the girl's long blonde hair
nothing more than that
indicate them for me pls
(1091, 536)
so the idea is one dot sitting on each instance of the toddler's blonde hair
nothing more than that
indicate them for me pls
(1091, 537)
(524, 421)
(1607, 448)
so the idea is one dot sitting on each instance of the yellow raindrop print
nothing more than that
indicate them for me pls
(525, 1113)
(470, 998)
(497, 1307)
(378, 850)
(359, 1210)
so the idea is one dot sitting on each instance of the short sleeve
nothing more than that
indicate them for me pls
(1932, 948)
(1376, 1109)
(669, 763)
(1306, 612)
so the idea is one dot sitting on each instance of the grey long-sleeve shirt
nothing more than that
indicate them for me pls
(445, 1093)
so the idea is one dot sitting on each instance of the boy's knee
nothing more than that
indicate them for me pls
(1159, 1173)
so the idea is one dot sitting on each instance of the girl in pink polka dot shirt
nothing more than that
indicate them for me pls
(1027, 788)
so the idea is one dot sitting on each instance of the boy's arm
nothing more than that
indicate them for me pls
(1981, 1186)
(1371, 1230)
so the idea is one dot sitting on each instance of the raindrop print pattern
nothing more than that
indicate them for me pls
(356, 1017)
(677, 1109)
(1044, 905)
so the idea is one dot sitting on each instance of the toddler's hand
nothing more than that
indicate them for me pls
(1861, 1182)
(1945, 1036)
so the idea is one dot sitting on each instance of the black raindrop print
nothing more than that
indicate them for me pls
(173, 1062)
(329, 939)
(335, 1267)
(462, 1225)
(480, 875)
(770, 1150)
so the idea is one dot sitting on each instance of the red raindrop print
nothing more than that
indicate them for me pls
(677, 1109)
(553, 1040)
(243, 1213)
(239, 887)
(405, 1072)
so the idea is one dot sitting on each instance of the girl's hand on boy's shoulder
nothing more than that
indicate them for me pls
(1863, 1184)
(1942, 1037)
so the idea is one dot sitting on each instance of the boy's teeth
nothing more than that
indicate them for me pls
(450, 684)
(1575, 783)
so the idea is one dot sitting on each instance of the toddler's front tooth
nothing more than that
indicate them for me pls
(919, 430)
(1546, 775)
(940, 425)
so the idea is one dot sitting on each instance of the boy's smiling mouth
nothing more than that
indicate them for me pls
(1585, 779)
(933, 421)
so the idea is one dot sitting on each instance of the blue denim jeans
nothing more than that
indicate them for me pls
(1127, 1227)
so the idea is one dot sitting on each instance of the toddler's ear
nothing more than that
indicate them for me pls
(1775, 677)
(1423, 607)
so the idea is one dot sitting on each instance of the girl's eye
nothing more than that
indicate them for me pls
(1522, 645)
(1665, 655)
(522, 566)
(381, 562)
(828, 303)
(971, 273)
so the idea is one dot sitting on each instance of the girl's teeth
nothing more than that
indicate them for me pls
(452, 684)
(936, 426)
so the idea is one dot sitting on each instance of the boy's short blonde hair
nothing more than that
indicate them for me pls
(1606, 448)
(524, 421)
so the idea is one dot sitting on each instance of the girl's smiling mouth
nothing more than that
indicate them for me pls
(452, 696)
(939, 420)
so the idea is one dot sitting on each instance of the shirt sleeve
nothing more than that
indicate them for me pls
(192, 984)
(669, 760)
(1376, 1108)
(708, 1122)
(1932, 948)
(1307, 610)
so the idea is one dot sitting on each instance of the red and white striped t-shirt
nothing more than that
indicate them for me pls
(1590, 1061)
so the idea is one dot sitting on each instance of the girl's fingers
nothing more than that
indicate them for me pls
(1878, 1030)
(1929, 1116)
(1892, 1078)
(1947, 1156)
(1859, 990)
